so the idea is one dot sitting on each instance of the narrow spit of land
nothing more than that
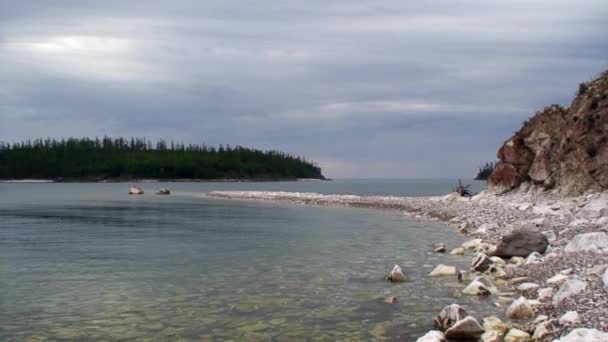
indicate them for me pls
(488, 218)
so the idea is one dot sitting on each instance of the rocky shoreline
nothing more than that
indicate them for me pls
(559, 293)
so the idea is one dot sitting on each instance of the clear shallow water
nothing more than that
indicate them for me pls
(87, 262)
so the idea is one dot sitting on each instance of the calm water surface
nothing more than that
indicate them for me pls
(87, 262)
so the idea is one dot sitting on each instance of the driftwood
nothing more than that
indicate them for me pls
(463, 190)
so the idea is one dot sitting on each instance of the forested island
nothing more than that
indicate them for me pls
(86, 159)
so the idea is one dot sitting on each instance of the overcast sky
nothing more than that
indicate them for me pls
(388, 88)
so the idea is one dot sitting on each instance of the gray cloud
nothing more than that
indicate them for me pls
(390, 89)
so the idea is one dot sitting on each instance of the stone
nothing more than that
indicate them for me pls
(432, 336)
(135, 190)
(567, 271)
(540, 318)
(588, 242)
(584, 335)
(534, 258)
(597, 270)
(397, 274)
(545, 294)
(517, 261)
(527, 286)
(467, 328)
(448, 316)
(516, 335)
(520, 309)
(490, 336)
(481, 263)
(498, 261)
(493, 323)
(595, 208)
(390, 300)
(521, 243)
(440, 248)
(480, 286)
(557, 279)
(443, 270)
(457, 251)
(568, 289)
(569, 318)
(472, 244)
(605, 279)
(543, 330)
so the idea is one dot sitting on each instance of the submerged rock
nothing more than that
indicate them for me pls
(448, 316)
(457, 251)
(440, 248)
(478, 287)
(521, 244)
(467, 328)
(135, 190)
(397, 274)
(520, 309)
(443, 270)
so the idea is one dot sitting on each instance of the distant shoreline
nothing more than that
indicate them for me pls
(146, 180)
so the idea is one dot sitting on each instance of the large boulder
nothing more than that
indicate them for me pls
(570, 288)
(465, 329)
(588, 242)
(448, 316)
(520, 309)
(521, 244)
(585, 335)
(396, 274)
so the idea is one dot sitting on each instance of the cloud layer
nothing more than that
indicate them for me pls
(367, 89)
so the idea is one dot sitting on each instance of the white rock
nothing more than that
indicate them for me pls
(517, 261)
(443, 270)
(525, 206)
(592, 242)
(527, 286)
(498, 260)
(584, 335)
(472, 244)
(550, 236)
(550, 256)
(569, 318)
(545, 294)
(567, 271)
(605, 279)
(520, 309)
(534, 258)
(397, 274)
(432, 336)
(597, 270)
(493, 323)
(568, 289)
(540, 319)
(595, 208)
(557, 279)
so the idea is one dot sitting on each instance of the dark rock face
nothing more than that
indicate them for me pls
(521, 243)
(560, 147)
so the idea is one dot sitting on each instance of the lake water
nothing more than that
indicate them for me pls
(88, 262)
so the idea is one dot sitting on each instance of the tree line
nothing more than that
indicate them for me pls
(116, 158)
(485, 170)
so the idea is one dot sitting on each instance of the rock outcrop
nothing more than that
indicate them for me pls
(560, 147)
(448, 316)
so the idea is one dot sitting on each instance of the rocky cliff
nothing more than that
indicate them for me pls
(562, 148)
